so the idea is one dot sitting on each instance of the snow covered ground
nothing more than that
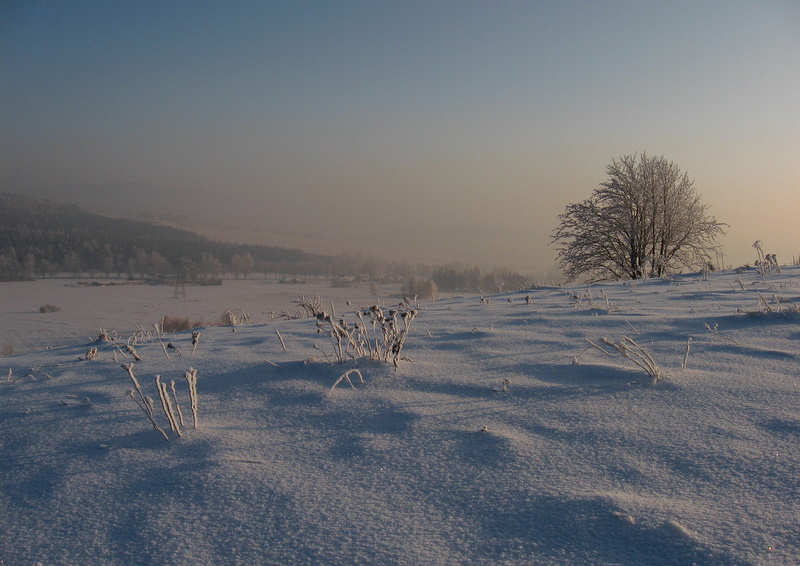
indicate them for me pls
(87, 305)
(573, 460)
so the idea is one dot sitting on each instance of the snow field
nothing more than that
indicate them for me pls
(433, 463)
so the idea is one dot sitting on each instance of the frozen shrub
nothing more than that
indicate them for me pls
(312, 307)
(424, 289)
(234, 318)
(378, 334)
(178, 323)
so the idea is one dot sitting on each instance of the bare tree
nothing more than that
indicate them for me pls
(647, 219)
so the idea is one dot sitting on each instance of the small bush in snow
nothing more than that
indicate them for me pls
(178, 323)
(91, 354)
(378, 334)
(765, 263)
(312, 307)
(235, 318)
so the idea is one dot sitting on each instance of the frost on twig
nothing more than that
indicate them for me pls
(191, 380)
(177, 406)
(132, 351)
(159, 332)
(167, 406)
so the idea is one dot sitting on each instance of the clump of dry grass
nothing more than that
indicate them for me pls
(639, 356)
(168, 397)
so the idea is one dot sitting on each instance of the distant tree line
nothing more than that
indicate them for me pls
(41, 238)
(467, 280)
(473, 280)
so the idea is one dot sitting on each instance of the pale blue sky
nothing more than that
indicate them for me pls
(473, 123)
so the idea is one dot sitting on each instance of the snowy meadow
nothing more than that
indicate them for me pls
(653, 422)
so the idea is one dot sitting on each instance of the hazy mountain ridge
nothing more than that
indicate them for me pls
(223, 217)
(132, 200)
(41, 235)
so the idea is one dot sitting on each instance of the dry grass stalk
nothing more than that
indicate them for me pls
(716, 332)
(177, 406)
(686, 355)
(195, 341)
(174, 348)
(145, 403)
(283, 344)
(346, 375)
(637, 355)
(167, 406)
(160, 341)
(576, 359)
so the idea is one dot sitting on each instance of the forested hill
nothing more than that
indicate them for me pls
(41, 237)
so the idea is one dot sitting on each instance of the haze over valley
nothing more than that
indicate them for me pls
(453, 132)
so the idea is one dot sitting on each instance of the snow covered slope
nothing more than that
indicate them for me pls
(511, 433)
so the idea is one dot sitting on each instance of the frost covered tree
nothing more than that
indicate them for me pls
(647, 219)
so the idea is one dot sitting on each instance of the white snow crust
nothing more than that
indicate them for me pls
(577, 461)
